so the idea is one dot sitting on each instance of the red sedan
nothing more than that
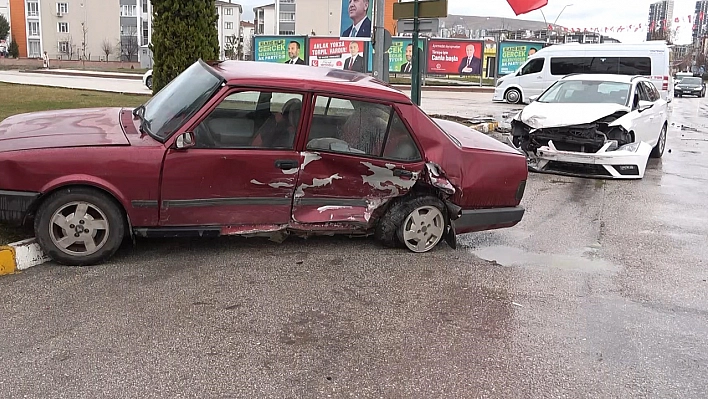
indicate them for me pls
(254, 149)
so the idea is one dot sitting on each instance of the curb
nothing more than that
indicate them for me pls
(20, 256)
(85, 74)
(486, 127)
(458, 88)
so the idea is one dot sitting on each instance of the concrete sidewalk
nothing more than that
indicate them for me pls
(86, 73)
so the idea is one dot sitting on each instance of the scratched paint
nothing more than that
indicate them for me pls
(254, 181)
(371, 206)
(332, 208)
(281, 185)
(310, 157)
(290, 171)
(300, 192)
(381, 176)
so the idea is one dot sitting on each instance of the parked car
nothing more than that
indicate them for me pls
(549, 64)
(690, 86)
(604, 126)
(147, 79)
(250, 148)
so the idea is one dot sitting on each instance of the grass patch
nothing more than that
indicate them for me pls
(17, 99)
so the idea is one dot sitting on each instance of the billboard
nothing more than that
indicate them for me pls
(356, 19)
(398, 55)
(513, 54)
(340, 53)
(282, 49)
(455, 57)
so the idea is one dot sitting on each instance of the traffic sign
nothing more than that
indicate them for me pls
(426, 9)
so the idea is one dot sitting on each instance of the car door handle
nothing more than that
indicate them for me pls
(286, 164)
(402, 173)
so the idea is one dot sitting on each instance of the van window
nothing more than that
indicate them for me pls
(616, 65)
(533, 66)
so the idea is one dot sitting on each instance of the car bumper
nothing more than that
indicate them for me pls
(14, 206)
(473, 220)
(498, 94)
(618, 164)
(688, 92)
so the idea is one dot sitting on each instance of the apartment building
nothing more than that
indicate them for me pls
(247, 32)
(700, 26)
(660, 16)
(228, 26)
(264, 19)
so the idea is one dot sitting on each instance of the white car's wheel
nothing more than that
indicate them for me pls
(658, 150)
(513, 96)
(148, 82)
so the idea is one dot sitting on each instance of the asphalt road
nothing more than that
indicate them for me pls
(599, 292)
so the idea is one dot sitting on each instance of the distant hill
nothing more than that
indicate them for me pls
(490, 23)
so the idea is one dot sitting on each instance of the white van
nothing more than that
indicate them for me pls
(649, 59)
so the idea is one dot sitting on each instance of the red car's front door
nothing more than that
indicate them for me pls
(357, 156)
(243, 169)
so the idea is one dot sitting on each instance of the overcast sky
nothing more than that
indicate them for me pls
(582, 14)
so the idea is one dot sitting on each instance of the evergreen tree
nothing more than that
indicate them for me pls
(4, 27)
(183, 32)
(14, 49)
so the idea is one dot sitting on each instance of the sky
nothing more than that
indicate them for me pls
(582, 14)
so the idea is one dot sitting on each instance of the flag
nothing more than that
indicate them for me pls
(525, 6)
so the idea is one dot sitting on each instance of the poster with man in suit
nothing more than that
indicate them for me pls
(356, 61)
(294, 53)
(356, 18)
(470, 65)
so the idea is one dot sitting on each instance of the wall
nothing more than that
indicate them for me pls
(321, 16)
(21, 63)
(269, 21)
(18, 29)
(102, 21)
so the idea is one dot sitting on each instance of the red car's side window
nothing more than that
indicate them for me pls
(361, 128)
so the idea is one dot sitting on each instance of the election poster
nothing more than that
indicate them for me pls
(400, 55)
(282, 49)
(340, 53)
(513, 54)
(356, 19)
(455, 57)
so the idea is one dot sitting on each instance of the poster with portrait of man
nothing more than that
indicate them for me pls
(356, 19)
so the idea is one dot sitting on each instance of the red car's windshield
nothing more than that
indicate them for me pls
(172, 106)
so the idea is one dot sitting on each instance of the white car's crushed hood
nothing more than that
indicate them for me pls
(539, 115)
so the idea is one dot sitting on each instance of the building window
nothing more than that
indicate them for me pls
(287, 16)
(145, 6)
(128, 30)
(128, 10)
(34, 49)
(64, 47)
(62, 8)
(228, 11)
(287, 32)
(228, 25)
(145, 32)
(33, 28)
(32, 9)
(63, 27)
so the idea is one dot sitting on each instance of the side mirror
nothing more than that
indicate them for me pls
(185, 140)
(644, 105)
(533, 98)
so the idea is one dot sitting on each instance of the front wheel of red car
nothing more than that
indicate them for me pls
(79, 226)
(417, 222)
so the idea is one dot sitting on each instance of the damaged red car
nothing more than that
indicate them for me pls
(244, 148)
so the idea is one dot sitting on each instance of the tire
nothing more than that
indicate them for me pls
(658, 150)
(513, 96)
(391, 229)
(148, 82)
(103, 225)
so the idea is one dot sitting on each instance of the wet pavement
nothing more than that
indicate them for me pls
(601, 291)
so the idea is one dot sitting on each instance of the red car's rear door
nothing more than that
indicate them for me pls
(357, 155)
(244, 167)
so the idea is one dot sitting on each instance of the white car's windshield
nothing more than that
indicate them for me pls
(170, 108)
(587, 91)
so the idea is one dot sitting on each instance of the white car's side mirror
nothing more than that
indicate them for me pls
(644, 105)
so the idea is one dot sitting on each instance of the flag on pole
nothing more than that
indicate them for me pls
(526, 6)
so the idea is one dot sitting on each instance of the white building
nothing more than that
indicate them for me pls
(265, 20)
(323, 17)
(229, 26)
(247, 32)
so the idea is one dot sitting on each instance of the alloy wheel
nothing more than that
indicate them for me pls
(423, 229)
(79, 228)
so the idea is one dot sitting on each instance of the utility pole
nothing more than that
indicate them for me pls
(379, 40)
(415, 76)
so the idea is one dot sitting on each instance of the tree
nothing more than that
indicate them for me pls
(183, 32)
(129, 47)
(233, 48)
(4, 27)
(14, 49)
(107, 48)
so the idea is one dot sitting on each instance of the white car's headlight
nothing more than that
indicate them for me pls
(632, 147)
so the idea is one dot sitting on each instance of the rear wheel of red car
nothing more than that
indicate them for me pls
(417, 222)
(79, 226)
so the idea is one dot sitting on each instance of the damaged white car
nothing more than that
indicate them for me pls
(593, 125)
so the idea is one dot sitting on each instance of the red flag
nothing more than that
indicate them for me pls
(525, 6)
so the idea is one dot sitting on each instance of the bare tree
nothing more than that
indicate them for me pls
(107, 48)
(129, 47)
(69, 48)
(233, 48)
(84, 30)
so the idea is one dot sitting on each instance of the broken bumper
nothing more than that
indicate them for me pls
(488, 219)
(14, 205)
(628, 162)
